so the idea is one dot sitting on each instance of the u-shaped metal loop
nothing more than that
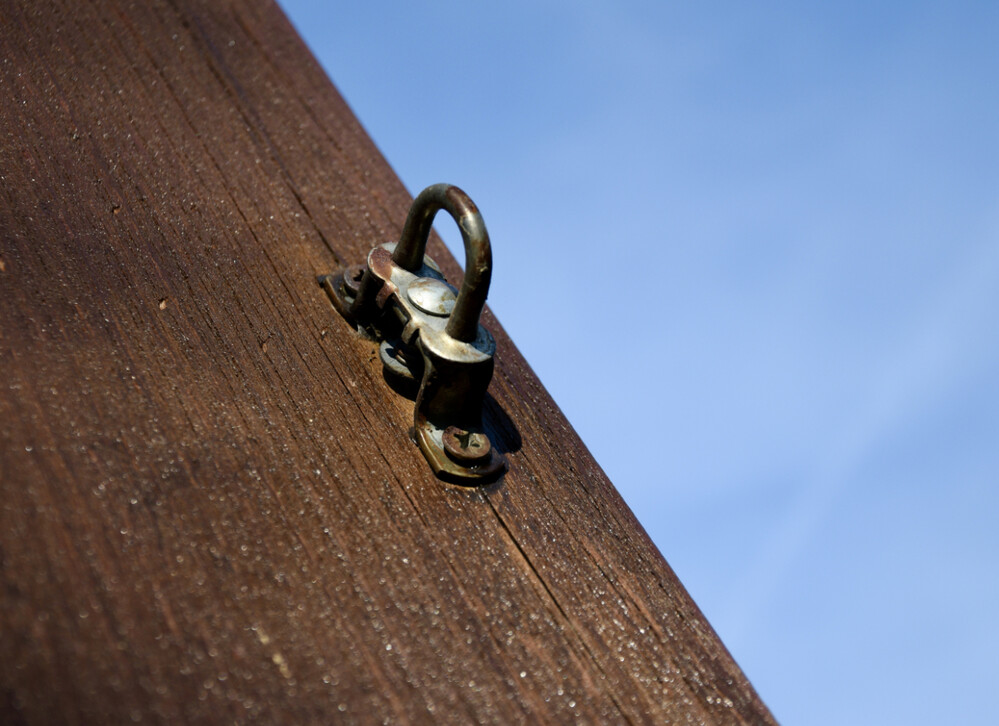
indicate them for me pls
(452, 361)
(463, 324)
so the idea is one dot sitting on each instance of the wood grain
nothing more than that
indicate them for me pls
(210, 507)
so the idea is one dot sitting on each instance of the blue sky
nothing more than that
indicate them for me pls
(764, 239)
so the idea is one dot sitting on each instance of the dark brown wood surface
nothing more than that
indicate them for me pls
(210, 507)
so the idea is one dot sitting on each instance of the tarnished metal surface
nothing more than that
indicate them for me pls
(429, 334)
(432, 296)
(466, 446)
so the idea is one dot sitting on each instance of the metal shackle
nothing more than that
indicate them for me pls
(463, 324)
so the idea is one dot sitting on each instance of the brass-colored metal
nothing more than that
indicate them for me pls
(403, 300)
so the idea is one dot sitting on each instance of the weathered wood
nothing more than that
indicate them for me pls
(211, 508)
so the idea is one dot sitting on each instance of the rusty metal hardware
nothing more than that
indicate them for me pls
(431, 342)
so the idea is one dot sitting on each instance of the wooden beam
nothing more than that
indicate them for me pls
(210, 506)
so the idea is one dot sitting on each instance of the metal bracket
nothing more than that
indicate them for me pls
(430, 336)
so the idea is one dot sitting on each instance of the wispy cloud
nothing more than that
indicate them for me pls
(957, 331)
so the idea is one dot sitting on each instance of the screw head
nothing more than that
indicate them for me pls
(466, 447)
(352, 278)
(432, 296)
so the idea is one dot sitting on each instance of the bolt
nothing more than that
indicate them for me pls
(352, 278)
(466, 447)
(432, 296)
